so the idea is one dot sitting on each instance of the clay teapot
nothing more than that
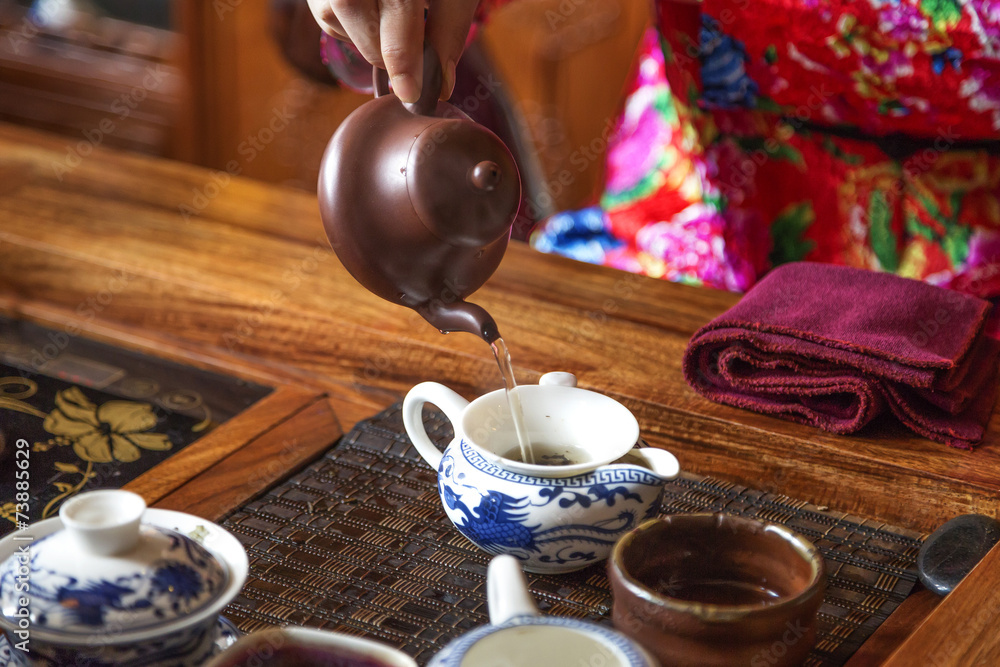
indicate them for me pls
(418, 202)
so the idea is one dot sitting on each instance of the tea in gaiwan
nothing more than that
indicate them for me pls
(549, 454)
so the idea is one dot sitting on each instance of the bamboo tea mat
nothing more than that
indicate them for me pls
(358, 543)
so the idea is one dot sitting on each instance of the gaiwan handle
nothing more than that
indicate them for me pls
(507, 594)
(429, 93)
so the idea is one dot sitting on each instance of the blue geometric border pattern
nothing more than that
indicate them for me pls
(605, 475)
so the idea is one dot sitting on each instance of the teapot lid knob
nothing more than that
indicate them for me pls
(486, 175)
(560, 378)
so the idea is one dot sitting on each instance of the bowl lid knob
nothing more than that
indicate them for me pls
(104, 523)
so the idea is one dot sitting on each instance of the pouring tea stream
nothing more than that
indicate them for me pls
(418, 201)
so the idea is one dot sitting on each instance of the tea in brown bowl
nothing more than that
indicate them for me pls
(717, 590)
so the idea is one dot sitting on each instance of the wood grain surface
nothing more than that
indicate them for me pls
(895, 630)
(240, 273)
(268, 414)
(273, 455)
(250, 276)
(963, 628)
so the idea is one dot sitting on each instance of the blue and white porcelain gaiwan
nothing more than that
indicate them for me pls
(553, 517)
(112, 583)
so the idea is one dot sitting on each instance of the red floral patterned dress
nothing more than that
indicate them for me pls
(864, 133)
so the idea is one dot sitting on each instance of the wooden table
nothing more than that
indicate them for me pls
(229, 274)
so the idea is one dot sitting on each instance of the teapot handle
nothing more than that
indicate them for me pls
(431, 90)
(413, 416)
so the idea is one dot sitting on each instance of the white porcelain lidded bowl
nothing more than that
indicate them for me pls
(111, 582)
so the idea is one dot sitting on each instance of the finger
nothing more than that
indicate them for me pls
(402, 36)
(360, 19)
(335, 30)
(447, 29)
(326, 18)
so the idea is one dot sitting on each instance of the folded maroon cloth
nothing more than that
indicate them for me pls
(835, 346)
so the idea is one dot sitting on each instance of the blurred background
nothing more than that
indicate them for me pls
(211, 82)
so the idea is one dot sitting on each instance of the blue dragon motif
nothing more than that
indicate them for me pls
(499, 523)
(496, 522)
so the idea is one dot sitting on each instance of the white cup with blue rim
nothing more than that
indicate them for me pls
(518, 636)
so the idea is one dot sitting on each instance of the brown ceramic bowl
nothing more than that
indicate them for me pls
(715, 589)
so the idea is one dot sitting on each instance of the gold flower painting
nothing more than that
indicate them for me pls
(83, 440)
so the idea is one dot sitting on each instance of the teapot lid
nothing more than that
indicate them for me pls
(463, 182)
(107, 572)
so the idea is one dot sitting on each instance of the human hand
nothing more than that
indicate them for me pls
(390, 34)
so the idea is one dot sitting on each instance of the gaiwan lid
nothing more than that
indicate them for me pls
(108, 572)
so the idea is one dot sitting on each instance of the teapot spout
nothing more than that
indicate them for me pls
(658, 461)
(507, 594)
(460, 316)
